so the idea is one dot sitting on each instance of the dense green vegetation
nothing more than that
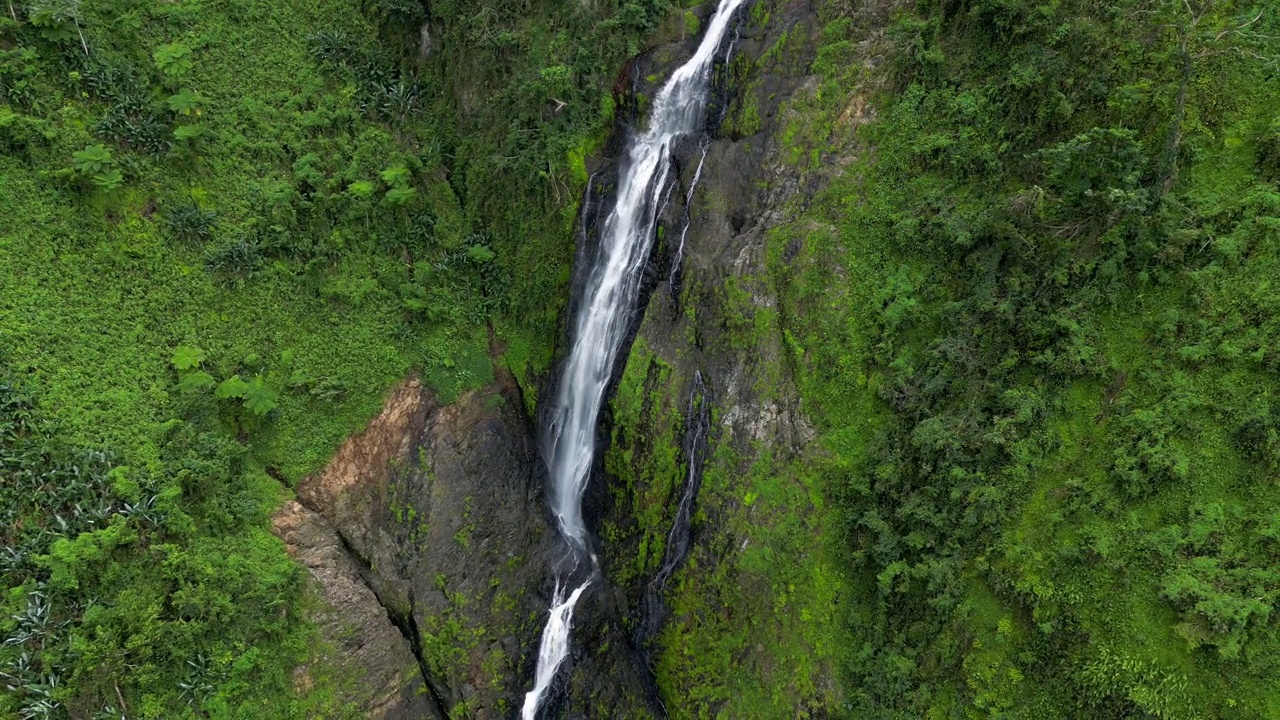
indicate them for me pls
(228, 227)
(1033, 315)
(1046, 367)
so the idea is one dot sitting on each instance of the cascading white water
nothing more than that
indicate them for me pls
(600, 327)
(551, 654)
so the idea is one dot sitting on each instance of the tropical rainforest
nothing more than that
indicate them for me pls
(986, 294)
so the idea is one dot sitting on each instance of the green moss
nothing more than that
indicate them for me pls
(644, 457)
(691, 23)
(754, 627)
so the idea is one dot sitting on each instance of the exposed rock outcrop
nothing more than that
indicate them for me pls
(428, 537)
(429, 532)
(713, 310)
(351, 618)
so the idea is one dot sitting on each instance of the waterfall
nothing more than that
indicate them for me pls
(600, 328)
(554, 647)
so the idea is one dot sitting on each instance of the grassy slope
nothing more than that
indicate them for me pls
(94, 297)
(346, 295)
(94, 306)
(96, 327)
(1069, 604)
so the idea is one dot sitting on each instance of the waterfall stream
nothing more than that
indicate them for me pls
(600, 327)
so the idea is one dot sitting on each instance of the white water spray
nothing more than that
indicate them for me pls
(600, 328)
(552, 653)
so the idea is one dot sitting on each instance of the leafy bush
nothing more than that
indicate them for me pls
(185, 102)
(58, 20)
(96, 164)
(174, 61)
(400, 101)
(333, 48)
(256, 396)
(136, 124)
(92, 160)
(19, 76)
(240, 256)
(190, 223)
(114, 78)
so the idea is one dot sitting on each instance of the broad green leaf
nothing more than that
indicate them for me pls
(173, 59)
(360, 189)
(92, 159)
(108, 179)
(397, 176)
(480, 253)
(185, 102)
(187, 358)
(188, 132)
(259, 398)
(232, 387)
(398, 196)
(196, 381)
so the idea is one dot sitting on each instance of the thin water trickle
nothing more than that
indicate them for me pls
(600, 328)
(688, 214)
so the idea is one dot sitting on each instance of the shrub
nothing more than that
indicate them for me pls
(19, 76)
(135, 124)
(96, 164)
(92, 159)
(58, 20)
(241, 256)
(185, 102)
(255, 395)
(332, 47)
(173, 60)
(190, 223)
(114, 79)
(399, 101)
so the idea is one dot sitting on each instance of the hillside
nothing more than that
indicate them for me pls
(950, 392)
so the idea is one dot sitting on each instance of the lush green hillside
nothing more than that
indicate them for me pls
(228, 228)
(1047, 379)
(1032, 313)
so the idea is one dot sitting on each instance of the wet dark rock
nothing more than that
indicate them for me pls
(439, 511)
(745, 189)
(429, 535)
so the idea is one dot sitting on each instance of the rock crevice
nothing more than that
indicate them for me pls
(428, 540)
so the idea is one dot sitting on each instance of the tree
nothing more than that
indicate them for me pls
(1204, 29)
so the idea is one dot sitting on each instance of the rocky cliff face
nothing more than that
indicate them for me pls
(748, 602)
(429, 536)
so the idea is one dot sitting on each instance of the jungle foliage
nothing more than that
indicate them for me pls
(228, 228)
(1035, 319)
(1047, 366)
